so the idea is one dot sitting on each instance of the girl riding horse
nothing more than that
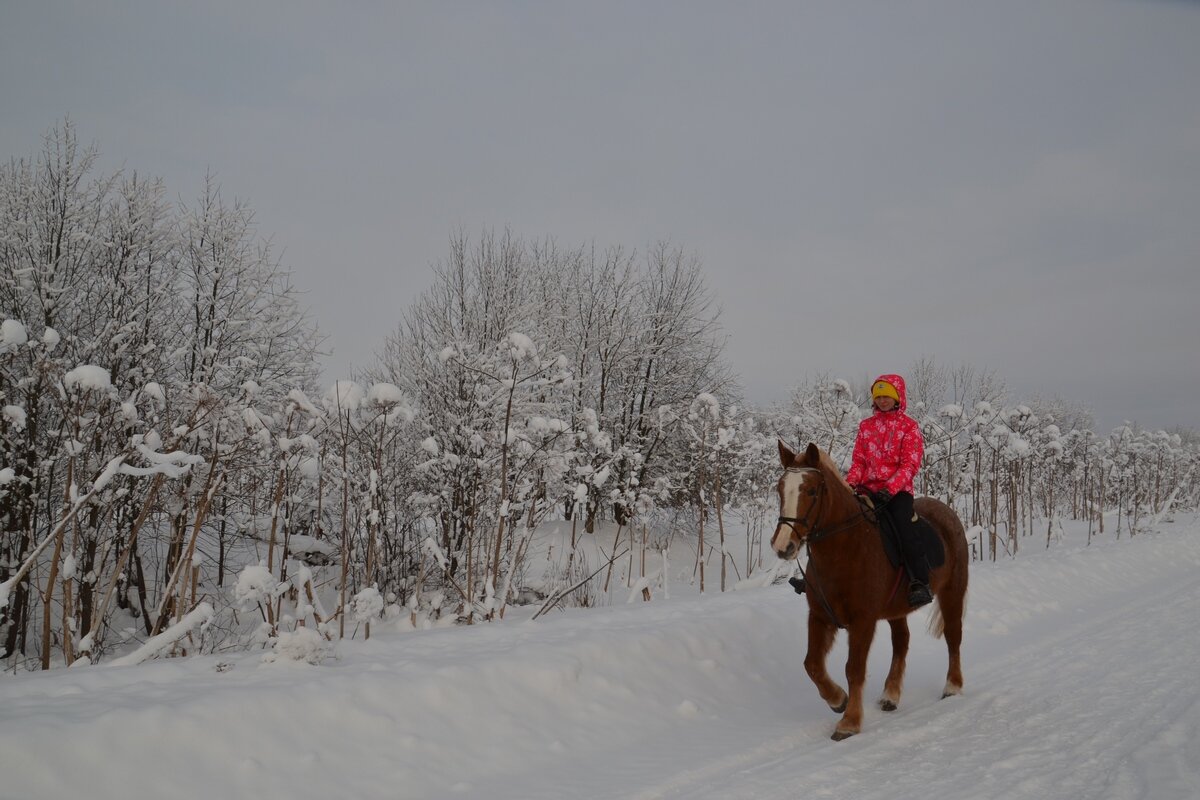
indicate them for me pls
(887, 455)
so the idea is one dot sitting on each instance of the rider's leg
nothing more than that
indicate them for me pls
(901, 511)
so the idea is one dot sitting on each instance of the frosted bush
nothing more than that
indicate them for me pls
(367, 605)
(385, 394)
(303, 403)
(521, 347)
(155, 392)
(725, 437)
(302, 644)
(601, 477)
(310, 469)
(88, 376)
(343, 396)
(15, 416)
(12, 334)
(255, 584)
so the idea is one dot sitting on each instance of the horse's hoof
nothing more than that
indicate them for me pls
(841, 735)
(887, 705)
(842, 708)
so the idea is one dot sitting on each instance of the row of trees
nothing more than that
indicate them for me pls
(171, 475)
(160, 449)
(133, 329)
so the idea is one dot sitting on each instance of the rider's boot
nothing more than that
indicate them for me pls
(919, 594)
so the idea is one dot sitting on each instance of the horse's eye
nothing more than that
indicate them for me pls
(812, 492)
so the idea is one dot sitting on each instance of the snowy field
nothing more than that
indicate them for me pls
(1080, 683)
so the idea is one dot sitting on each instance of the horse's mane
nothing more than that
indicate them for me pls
(830, 468)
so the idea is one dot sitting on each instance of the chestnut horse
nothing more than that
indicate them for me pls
(851, 583)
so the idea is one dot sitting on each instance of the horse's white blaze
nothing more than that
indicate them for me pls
(779, 545)
(789, 505)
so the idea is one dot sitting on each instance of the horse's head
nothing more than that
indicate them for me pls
(800, 490)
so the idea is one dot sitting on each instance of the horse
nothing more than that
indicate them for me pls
(851, 583)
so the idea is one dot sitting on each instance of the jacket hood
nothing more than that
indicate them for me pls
(898, 382)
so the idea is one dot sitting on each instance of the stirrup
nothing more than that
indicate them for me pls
(918, 594)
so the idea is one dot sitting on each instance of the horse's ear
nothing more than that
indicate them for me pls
(786, 456)
(812, 454)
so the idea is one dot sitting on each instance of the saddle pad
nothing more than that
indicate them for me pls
(927, 538)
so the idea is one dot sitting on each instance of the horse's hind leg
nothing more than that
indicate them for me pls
(895, 679)
(820, 641)
(952, 608)
(859, 639)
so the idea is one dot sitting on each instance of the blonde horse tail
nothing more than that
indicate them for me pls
(937, 622)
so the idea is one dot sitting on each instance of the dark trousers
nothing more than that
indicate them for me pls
(900, 510)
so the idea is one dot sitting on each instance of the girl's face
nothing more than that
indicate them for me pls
(885, 403)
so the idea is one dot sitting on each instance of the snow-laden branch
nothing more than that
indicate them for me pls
(200, 615)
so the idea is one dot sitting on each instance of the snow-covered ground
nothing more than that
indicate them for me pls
(1080, 682)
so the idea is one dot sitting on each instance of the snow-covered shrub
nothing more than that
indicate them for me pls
(302, 644)
(255, 584)
(367, 605)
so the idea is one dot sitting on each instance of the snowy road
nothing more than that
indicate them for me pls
(1080, 683)
(1102, 703)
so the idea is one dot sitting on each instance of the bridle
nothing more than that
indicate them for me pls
(792, 522)
(812, 533)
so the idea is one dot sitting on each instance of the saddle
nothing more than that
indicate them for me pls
(929, 544)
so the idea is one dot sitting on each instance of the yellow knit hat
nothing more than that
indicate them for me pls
(884, 389)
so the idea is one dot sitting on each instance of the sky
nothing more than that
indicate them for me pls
(1013, 186)
(1079, 682)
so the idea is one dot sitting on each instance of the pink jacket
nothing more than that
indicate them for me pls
(888, 450)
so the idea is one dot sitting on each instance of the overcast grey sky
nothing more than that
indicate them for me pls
(1013, 185)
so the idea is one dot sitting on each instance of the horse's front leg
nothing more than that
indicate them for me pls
(859, 638)
(895, 679)
(820, 641)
